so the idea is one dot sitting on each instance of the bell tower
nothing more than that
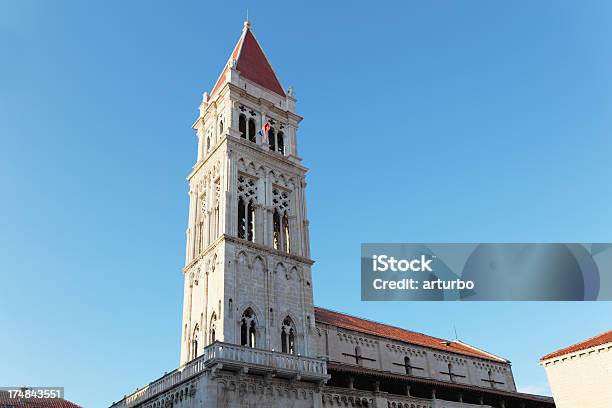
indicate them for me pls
(247, 270)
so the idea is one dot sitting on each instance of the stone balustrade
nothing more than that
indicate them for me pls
(233, 357)
(395, 401)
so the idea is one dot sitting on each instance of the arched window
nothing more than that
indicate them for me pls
(194, 348)
(246, 220)
(248, 329)
(194, 341)
(276, 230)
(251, 222)
(288, 336)
(242, 222)
(220, 127)
(252, 132)
(286, 240)
(280, 141)
(213, 328)
(272, 139)
(207, 143)
(242, 127)
(407, 365)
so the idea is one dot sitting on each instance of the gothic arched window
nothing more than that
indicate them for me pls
(248, 329)
(194, 341)
(280, 141)
(247, 197)
(213, 328)
(272, 139)
(276, 230)
(250, 222)
(286, 240)
(252, 132)
(288, 336)
(242, 127)
(242, 222)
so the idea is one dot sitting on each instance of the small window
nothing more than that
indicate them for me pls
(288, 336)
(286, 237)
(252, 132)
(242, 221)
(251, 222)
(280, 138)
(276, 230)
(272, 139)
(242, 127)
(248, 329)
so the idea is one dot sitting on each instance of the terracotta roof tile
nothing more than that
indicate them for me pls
(395, 333)
(5, 402)
(583, 345)
(252, 64)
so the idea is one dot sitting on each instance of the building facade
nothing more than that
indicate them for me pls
(251, 335)
(580, 376)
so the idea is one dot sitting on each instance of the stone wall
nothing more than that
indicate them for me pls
(338, 344)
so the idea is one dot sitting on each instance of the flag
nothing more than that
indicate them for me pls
(265, 129)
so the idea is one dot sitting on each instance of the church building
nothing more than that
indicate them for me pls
(251, 335)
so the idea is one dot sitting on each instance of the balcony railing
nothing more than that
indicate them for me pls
(233, 357)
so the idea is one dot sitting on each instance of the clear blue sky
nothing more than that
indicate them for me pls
(436, 121)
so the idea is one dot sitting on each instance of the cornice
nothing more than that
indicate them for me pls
(601, 348)
(270, 105)
(248, 244)
(269, 250)
(266, 154)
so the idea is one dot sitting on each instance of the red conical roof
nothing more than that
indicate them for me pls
(252, 64)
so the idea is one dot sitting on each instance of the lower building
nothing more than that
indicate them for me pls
(360, 363)
(580, 376)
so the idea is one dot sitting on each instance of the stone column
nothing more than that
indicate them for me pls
(259, 223)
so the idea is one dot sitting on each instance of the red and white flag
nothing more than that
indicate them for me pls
(265, 129)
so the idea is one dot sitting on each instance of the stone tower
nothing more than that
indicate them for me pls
(247, 269)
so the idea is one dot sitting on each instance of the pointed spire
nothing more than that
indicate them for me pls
(251, 62)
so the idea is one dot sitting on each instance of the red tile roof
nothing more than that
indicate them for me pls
(252, 64)
(583, 345)
(5, 401)
(395, 333)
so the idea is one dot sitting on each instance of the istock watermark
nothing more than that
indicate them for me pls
(487, 271)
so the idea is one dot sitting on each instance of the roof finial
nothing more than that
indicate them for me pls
(247, 23)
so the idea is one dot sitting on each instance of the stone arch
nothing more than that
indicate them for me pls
(242, 259)
(259, 262)
(251, 328)
(280, 267)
